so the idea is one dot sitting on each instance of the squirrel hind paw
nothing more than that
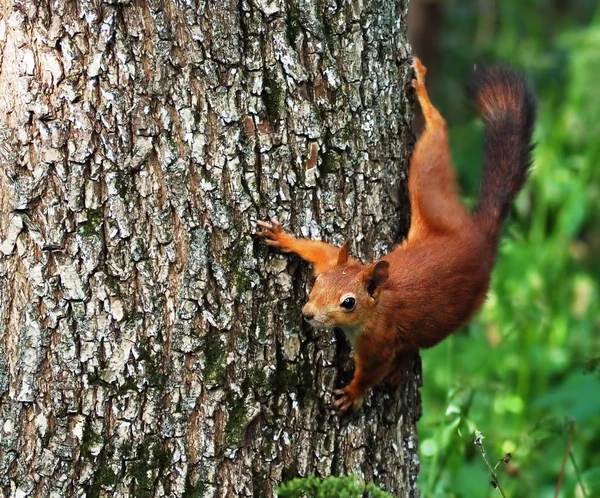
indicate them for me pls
(420, 72)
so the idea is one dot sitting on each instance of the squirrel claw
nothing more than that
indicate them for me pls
(343, 403)
(271, 230)
(270, 227)
(272, 233)
(420, 69)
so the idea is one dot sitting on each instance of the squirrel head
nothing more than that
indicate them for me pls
(346, 295)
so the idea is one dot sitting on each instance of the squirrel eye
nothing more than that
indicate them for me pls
(348, 303)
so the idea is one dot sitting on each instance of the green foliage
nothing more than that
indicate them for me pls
(332, 487)
(529, 362)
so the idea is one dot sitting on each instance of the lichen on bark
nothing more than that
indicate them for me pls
(151, 345)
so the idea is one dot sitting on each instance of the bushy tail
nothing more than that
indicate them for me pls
(507, 108)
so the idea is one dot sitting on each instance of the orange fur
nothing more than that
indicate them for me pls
(434, 281)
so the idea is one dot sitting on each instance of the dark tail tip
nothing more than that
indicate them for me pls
(501, 92)
(507, 107)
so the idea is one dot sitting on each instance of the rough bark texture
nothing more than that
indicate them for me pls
(150, 345)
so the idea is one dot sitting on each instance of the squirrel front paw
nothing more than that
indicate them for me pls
(420, 71)
(345, 400)
(273, 233)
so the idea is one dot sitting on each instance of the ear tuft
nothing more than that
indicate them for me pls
(343, 254)
(375, 276)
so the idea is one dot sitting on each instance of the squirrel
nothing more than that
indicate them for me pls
(437, 278)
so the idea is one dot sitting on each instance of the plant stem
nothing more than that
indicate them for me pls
(565, 458)
(478, 442)
(577, 474)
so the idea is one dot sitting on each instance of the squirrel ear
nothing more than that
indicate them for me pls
(343, 254)
(375, 276)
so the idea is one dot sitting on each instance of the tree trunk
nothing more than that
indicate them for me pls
(150, 344)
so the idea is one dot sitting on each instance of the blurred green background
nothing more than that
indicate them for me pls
(530, 361)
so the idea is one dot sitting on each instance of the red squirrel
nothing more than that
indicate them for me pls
(437, 278)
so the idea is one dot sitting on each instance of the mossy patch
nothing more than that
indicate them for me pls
(128, 385)
(292, 317)
(331, 162)
(214, 359)
(150, 462)
(89, 440)
(255, 381)
(236, 422)
(273, 98)
(114, 285)
(241, 280)
(258, 377)
(105, 476)
(199, 489)
(317, 113)
(194, 490)
(138, 469)
(268, 450)
(288, 473)
(350, 133)
(286, 378)
(153, 368)
(233, 264)
(161, 455)
(91, 226)
(126, 450)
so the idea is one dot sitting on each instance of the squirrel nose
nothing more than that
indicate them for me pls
(307, 314)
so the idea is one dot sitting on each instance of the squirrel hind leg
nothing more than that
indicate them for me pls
(431, 181)
(397, 370)
(430, 113)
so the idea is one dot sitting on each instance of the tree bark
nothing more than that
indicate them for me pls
(150, 344)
